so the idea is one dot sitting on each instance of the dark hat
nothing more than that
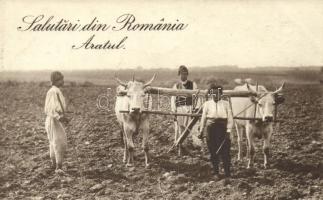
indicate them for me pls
(181, 69)
(55, 76)
(215, 89)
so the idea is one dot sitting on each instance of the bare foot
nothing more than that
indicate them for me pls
(59, 172)
(129, 165)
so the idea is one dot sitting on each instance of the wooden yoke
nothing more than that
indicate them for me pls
(200, 93)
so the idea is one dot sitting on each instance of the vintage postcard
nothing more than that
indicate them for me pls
(161, 99)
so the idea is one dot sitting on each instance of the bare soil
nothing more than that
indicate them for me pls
(94, 168)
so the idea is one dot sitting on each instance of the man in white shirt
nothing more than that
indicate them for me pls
(54, 109)
(217, 121)
(183, 104)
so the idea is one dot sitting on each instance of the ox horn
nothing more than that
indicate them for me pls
(119, 81)
(150, 82)
(280, 89)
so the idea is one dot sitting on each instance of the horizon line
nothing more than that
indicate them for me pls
(140, 68)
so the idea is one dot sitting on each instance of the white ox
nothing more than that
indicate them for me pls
(132, 99)
(261, 107)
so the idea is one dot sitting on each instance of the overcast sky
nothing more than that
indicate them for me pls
(243, 33)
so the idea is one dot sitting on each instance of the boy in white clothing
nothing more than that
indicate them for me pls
(54, 109)
(217, 121)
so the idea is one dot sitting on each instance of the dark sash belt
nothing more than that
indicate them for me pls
(216, 120)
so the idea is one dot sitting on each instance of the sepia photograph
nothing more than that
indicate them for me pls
(195, 99)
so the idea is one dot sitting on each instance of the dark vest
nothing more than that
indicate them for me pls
(182, 101)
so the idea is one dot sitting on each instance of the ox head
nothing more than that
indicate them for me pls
(135, 92)
(266, 102)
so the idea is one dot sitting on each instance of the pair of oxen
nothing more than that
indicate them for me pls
(131, 96)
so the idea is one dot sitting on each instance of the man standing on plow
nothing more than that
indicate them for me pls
(217, 120)
(182, 104)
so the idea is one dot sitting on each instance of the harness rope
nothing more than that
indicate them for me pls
(250, 105)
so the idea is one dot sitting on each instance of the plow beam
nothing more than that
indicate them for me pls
(184, 92)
